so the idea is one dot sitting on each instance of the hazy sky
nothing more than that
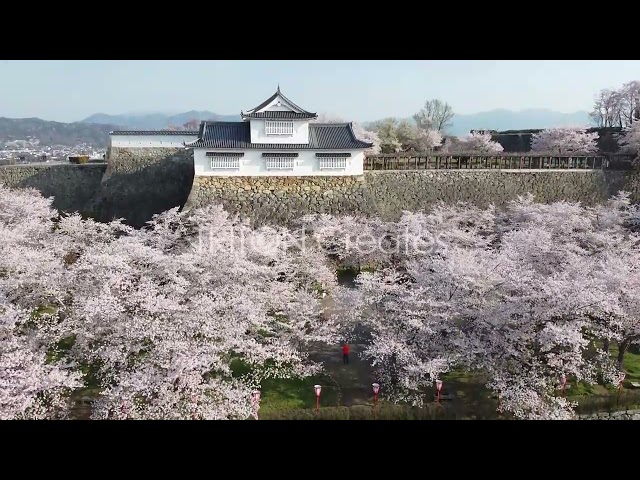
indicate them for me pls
(357, 90)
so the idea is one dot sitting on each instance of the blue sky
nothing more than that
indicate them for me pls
(357, 90)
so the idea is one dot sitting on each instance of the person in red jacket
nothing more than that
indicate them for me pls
(345, 354)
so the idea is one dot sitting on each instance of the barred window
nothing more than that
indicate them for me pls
(225, 163)
(330, 163)
(278, 128)
(280, 163)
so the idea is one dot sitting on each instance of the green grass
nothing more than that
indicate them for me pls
(45, 310)
(631, 366)
(365, 412)
(290, 393)
(295, 393)
(472, 397)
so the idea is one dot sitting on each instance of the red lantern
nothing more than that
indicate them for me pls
(317, 389)
(376, 389)
(256, 402)
(439, 389)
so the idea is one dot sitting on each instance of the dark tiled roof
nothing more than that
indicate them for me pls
(275, 114)
(225, 154)
(273, 97)
(281, 154)
(237, 135)
(343, 154)
(154, 132)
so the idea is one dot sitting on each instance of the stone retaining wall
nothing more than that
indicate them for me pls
(138, 183)
(72, 186)
(388, 193)
(622, 415)
(141, 182)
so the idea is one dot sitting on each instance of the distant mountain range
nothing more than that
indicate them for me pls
(155, 121)
(54, 133)
(94, 130)
(501, 119)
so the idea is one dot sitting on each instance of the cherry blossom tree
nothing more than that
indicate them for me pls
(30, 261)
(160, 316)
(476, 310)
(406, 134)
(615, 269)
(367, 136)
(617, 107)
(565, 140)
(32, 386)
(435, 115)
(502, 293)
(157, 316)
(172, 314)
(607, 108)
(387, 131)
(413, 138)
(476, 142)
(618, 274)
(369, 242)
(360, 132)
(427, 140)
(352, 242)
(630, 102)
(398, 136)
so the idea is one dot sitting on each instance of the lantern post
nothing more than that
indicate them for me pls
(622, 377)
(439, 389)
(256, 402)
(376, 390)
(317, 389)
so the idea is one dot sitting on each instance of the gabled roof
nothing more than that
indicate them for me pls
(237, 136)
(154, 132)
(297, 112)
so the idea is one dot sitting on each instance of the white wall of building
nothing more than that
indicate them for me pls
(300, 133)
(254, 164)
(150, 141)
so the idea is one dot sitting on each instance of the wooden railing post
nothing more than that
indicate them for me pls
(470, 161)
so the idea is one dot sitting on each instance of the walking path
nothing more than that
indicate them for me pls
(354, 380)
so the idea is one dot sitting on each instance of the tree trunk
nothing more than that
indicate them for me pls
(394, 371)
(622, 349)
(606, 345)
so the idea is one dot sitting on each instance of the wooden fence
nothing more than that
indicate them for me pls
(508, 161)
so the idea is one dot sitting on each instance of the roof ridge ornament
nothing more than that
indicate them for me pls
(281, 100)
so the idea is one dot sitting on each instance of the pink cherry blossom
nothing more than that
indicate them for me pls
(565, 140)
